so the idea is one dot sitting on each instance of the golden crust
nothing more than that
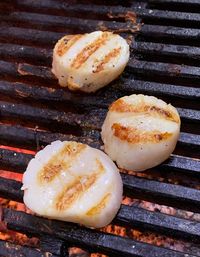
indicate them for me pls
(65, 43)
(77, 188)
(87, 51)
(58, 162)
(101, 205)
(151, 110)
(134, 135)
(114, 53)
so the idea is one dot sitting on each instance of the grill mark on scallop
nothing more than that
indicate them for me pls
(72, 85)
(114, 53)
(134, 135)
(66, 43)
(122, 106)
(74, 191)
(90, 49)
(78, 188)
(101, 205)
(60, 161)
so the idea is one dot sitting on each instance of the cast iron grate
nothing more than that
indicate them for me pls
(34, 111)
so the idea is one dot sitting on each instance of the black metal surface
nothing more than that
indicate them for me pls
(181, 5)
(53, 245)
(90, 239)
(132, 217)
(8, 249)
(33, 138)
(34, 111)
(91, 119)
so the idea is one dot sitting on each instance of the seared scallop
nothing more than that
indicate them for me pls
(73, 182)
(140, 131)
(89, 61)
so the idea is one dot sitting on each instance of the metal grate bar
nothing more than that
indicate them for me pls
(187, 36)
(33, 138)
(34, 55)
(172, 72)
(188, 6)
(162, 89)
(13, 250)
(187, 138)
(45, 21)
(157, 71)
(154, 16)
(97, 241)
(68, 9)
(48, 116)
(58, 23)
(14, 161)
(84, 120)
(186, 2)
(103, 12)
(169, 53)
(42, 56)
(188, 114)
(170, 34)
(48, 39)
(163, 193)
(133, 217)
(53, 119)
(53, 245)
(25, 71)
(12, 135)
(29, 36)
(48, 94)
(149, 51)
(11, 189)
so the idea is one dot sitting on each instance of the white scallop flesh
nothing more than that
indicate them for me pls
(73, 182)
(140, 132)
(88, 62)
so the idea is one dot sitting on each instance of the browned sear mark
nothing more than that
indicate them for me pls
(77, 188)
(72, 85)
(89, 50)
(128, 16)
(114, 53)
(131, 26)
(122, 106)
(66, 43)
(166, 114)
(134, 135)
(60, 161)
(100, 166)
(23, 70)
(101, 205)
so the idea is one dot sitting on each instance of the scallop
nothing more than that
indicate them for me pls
(140, 131)
(73, 182)
(88, 62)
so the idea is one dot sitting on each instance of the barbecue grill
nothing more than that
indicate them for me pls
(165, 62)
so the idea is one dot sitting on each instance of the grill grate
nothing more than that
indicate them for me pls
(34, 111)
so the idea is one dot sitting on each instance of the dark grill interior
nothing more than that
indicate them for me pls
(34, 111)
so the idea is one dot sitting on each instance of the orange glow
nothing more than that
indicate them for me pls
(18, 150)
(11, 175)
